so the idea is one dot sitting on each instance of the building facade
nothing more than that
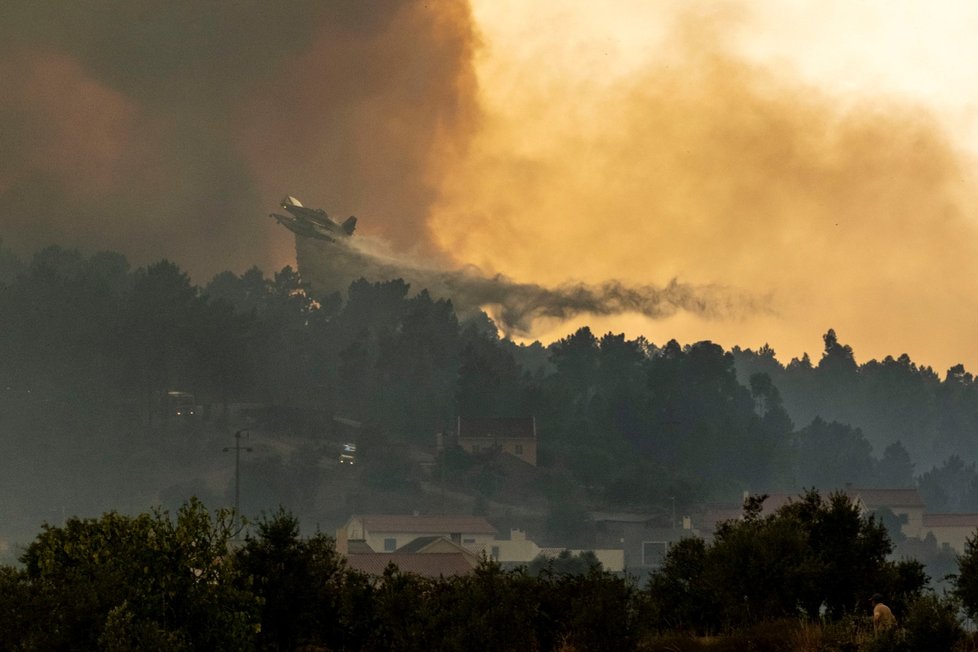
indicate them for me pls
(516, 436)
(388, 533)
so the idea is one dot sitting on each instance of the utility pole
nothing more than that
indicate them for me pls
(237, 469)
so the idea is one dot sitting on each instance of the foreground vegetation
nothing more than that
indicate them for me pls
(798, 579)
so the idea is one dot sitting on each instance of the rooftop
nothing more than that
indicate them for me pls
(951, 520)
(427, 524)
(886, 497)
(524, 427)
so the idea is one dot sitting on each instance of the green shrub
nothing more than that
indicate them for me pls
(932, 623)
(891, 640)
(767, 636)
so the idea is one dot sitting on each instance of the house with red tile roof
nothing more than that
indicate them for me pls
(518, 549)
(389, 532)
(439, 545)
(905, 503)
(951, 529)
(516, 436)
(640, 541)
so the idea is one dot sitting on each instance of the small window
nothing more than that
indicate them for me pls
(468, 540)
(654, 552)
(390, 544)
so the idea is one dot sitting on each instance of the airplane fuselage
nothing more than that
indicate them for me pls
(302, 227)
(312, 222)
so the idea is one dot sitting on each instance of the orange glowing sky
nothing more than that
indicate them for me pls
(820, 154)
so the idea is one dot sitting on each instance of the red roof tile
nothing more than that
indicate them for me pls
(517, 427)
(886, 497)
(951, 520)
(444, 524)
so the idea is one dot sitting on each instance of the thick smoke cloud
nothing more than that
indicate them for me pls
(518, 308)
(171, 129)
(695, 162)
(519, 305)
(165, 128)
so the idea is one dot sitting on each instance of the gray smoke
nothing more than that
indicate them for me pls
(331, 267)
(156, 128)
(521, 304)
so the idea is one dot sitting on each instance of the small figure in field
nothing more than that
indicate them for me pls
(883, 618)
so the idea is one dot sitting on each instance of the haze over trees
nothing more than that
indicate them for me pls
(893, 401)
(89, 346)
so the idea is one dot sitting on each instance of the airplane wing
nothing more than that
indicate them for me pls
(312, 223)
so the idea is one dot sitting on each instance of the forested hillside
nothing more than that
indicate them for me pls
(906, 420)
(89, 345)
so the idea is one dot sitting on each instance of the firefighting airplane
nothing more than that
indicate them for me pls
(312, 222)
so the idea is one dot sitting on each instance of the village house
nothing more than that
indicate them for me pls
(388, 533)
(520, 550)
(516, 436)
(951, 529)
(435, 545)
(428, 556)
(440, 545)
(640, 539)
(905, 503)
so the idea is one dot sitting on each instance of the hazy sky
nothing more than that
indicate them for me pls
(818, 154)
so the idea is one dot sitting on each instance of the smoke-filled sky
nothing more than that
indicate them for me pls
(820, 154)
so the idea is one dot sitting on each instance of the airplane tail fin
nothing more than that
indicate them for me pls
(349, 225)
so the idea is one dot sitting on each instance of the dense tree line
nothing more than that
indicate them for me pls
(906, 414)
(89, 346)
(811, 556)
(161, 583)
(158, 582)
